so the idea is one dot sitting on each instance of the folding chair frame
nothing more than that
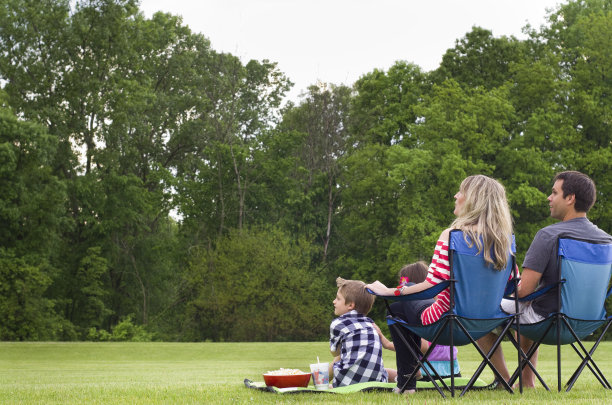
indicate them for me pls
(450, 320)
(585, 355)
(558, 320)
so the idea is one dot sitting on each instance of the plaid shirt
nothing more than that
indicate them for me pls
(361, 350)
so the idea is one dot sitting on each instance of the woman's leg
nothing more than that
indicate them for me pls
(404, 357)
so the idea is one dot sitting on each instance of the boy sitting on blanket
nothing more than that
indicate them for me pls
(354, 342)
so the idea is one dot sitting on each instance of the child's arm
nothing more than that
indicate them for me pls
(386, 343)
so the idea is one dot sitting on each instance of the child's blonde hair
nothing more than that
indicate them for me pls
(413, 273)
(354, 292)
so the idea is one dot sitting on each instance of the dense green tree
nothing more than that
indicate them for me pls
(32, 198)
(322, 119)
(383, 108)
(480, 60)
(88, 306)
(373, 184)
(25, 312)
(472, 122)
(31, 217)
(155, 188)
(579, 35)
(257, 284)
(217, 173)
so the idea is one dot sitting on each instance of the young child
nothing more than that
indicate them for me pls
(354, 342)
(439, 357)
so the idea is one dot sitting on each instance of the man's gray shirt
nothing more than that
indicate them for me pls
(542, 255)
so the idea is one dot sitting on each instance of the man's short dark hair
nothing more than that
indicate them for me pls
(581, 186)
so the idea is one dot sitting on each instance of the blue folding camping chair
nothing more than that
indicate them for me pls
(582, 289)
(476, 291)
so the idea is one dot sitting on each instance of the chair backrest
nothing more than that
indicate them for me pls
(586, 268)
(479, 287)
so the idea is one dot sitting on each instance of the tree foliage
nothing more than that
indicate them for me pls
(154, 188)
(261, 284)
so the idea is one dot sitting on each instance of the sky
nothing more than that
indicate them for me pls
(338, 41)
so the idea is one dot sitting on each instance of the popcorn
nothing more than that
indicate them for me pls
(286, 371)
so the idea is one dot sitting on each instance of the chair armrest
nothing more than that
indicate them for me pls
(430, 292)
(510, 288)
(539, 292)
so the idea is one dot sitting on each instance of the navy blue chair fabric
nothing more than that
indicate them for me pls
(476, 290)
(586, 268)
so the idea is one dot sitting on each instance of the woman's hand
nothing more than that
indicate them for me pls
(379, 288)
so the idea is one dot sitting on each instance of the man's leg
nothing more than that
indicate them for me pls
(527, 316)
(528, 374)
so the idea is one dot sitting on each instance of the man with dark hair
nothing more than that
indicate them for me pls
(573, 194)
(581, 186)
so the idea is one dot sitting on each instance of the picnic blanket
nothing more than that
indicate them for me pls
(460, 382)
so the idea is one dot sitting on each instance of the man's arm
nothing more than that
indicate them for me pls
(529, 282)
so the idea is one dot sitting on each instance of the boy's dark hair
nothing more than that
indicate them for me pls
(581, 186)
(415, 272)
(354, 292)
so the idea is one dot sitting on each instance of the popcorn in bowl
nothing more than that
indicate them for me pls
(287, 377)
(286, 371)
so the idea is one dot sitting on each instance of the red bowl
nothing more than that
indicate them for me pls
(285, 381)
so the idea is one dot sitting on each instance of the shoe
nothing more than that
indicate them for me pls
(497, 385)
(398, 390)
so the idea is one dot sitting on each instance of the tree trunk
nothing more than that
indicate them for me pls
(330, 212)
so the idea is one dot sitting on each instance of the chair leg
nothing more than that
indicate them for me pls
(526, 362)
(587, 360)
(518, 343)
(481, 367)
(526, 358)
(558, 361)
(425, 362)
(585, 355)
(419, 363)
(486, 360)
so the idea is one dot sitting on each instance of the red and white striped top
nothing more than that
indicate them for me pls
(439, 270)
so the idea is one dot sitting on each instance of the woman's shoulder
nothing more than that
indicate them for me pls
(444, 235)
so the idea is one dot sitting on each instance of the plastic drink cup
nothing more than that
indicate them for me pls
(320, 375)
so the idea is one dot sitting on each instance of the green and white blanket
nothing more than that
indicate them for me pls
(460, 382)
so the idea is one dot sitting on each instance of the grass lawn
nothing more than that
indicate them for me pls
(213, 373)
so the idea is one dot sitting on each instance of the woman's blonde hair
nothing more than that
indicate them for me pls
(485, 214)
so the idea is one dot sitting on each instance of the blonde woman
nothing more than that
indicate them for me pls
(483, 214)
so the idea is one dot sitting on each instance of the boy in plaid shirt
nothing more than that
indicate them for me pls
(353, 339)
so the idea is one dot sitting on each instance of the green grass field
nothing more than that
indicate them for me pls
(213, 373)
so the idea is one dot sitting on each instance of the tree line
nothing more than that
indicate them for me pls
(154, 188)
